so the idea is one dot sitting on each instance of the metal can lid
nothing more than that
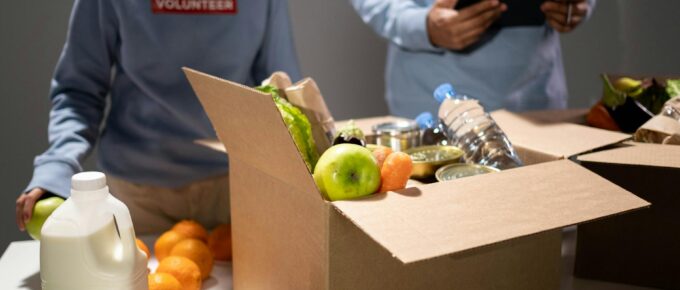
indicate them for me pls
(434, 153)
(460, 170)
(395, 128)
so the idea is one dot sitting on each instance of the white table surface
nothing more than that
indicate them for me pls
(20, 268)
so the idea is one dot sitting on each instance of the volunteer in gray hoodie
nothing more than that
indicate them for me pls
(130, 53)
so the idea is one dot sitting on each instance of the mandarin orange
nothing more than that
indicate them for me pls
(183, 269)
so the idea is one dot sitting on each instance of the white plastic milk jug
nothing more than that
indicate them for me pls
(88, 243)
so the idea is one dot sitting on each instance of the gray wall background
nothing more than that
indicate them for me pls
(334, 46)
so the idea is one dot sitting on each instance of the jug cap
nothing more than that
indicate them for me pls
(88, 181)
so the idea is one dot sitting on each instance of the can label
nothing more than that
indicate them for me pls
(194, 6)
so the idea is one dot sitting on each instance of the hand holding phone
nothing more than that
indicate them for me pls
(458, 29)
(565, 15)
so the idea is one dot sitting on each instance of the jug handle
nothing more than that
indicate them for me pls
(125, 228)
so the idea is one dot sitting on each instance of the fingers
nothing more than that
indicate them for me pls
(559, 26)
(19, 212)
(560, 17)
(446, 3)
(482, 20)
(28, 208)
(471, 36)
(456, 30)
(24, 206)
(476, 9)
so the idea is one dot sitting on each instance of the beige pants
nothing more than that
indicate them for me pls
(156, 209)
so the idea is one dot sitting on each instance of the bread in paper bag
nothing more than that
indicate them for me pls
(663, 128)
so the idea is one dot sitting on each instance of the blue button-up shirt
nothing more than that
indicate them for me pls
(517, 68)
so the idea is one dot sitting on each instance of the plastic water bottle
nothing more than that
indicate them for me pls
(473, 130)
(88, 243)
(431, 132)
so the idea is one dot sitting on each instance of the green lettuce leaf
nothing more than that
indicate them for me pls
(673, 88)
(298, 125)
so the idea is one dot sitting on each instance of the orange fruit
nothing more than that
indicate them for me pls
(197, 251)
(395, 171)
(165, 243)
(142, 246)
(219, 242)
(163, 281)
(184, 270)
(191, 229)
(381, 154)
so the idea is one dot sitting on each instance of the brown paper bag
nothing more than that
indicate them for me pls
(663, 128)
(306, 95)
(279, 79)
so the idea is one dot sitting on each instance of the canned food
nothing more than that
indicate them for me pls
(460, 170)
(399, 135)
(427, 159)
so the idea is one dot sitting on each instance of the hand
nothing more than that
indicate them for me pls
(25, 204)
(558, 16)
(456, 30)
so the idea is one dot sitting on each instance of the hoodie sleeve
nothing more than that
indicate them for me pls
(402, 22)
(78, 93)
(278, 50)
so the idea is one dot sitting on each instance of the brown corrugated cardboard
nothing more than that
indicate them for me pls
(213, 144)
(574, 116)
(495, 231)
(527, 263)
(498, 202)
(643, 247)
(279, 221)
(538, 141)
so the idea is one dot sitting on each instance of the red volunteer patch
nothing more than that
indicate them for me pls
(194, 6)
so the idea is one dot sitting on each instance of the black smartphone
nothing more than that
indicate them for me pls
(519, 13)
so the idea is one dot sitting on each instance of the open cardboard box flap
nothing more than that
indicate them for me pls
(558, 139)
(450, 217)
(640, 154)
(422, 222)
(236, 108)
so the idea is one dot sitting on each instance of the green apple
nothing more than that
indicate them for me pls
(347, 171)
(41, 211)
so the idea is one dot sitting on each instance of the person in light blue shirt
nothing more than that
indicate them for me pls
(129, 54)
(514, 67)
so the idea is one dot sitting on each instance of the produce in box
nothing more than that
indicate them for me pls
(627, 103)
(298, 126)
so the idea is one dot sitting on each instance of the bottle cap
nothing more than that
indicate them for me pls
(425, 120)
(88, 181)
(443, 92)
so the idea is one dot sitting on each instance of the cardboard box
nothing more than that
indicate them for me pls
(643, 247)
(494, 231)
(545, 136)
(573, 116)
